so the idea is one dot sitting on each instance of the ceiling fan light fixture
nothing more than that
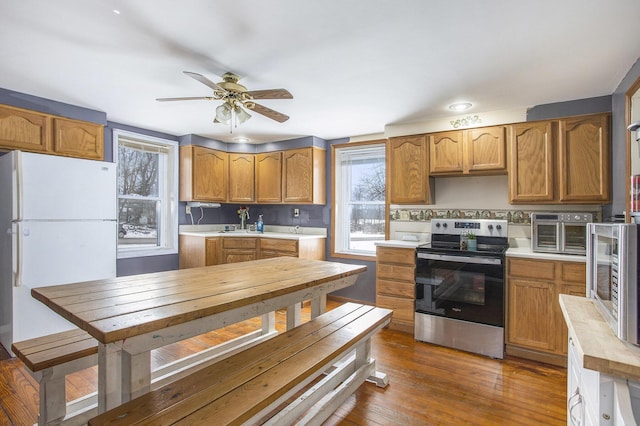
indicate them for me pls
(241, 115)
(460, 106)
(223, 113)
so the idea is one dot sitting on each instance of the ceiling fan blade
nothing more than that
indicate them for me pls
(204, 80)
(190, 98)
(270, 94)
(268, 112)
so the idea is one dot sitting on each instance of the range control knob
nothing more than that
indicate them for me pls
(444, 225)
(437, 224)
(498, 227)
(490, 227)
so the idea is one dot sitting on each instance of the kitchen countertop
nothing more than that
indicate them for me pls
(528, 253)
(399, 243)
(242, 234)
(597, 346)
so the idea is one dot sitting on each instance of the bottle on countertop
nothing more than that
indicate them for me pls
(260, 226)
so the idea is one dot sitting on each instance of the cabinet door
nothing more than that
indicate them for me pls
(584, 152)
(407, 171)
(212, 251)
(297, 171)
(241, 178)
(25, 130)
(269, 177)
(446, 153)
(531, 316)
(486, 149)
(78, 139)
(531, 162)
(203, 174)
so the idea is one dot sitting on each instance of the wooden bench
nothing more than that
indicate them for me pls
(254, 385)
(50, 359)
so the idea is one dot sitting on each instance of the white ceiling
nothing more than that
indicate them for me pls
(353, 66)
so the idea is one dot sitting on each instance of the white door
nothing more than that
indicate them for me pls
(50, 187)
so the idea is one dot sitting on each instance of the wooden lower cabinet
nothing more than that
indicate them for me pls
(395, 285)
(198, 251)
(204, 251)
(535, 328)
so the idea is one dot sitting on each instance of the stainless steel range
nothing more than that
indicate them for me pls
(460, 292)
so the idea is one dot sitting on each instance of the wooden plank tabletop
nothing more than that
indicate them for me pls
(597, 345)
(117, 308)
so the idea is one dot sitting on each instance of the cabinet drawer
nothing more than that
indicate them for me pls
(528, 268)
(268, 254)
(395, 272)
(396, 255)
(290, 246)
(576, 289)
(574, 272)
(395, 288)
(240, 243)
(403, 309)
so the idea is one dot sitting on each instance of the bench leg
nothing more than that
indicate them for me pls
(294, 317)
(53, 403)
(363, 356)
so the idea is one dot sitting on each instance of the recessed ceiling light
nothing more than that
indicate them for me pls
(460, 106)
(241, 139)
(116, 11)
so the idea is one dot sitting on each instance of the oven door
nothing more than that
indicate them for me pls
(545, 236)
(469, 288)
(574, 237)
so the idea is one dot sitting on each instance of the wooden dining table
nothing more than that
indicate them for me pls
(130, 316)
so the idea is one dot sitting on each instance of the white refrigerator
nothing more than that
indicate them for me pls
(57, 226)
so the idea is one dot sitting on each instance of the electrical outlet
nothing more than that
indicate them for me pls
(188, 209)
(296, 212)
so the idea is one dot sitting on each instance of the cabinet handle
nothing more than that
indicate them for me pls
(571, 405)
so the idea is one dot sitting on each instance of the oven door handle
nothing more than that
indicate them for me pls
(467, 259)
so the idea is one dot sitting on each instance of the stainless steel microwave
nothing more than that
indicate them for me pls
(560, 232)
(612, 276)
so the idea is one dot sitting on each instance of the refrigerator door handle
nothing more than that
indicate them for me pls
(16, 238)
(17, 190)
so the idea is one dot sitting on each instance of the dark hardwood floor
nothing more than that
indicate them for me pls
(429, 385)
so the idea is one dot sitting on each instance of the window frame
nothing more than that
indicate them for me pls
(168, 224)
(336, 250)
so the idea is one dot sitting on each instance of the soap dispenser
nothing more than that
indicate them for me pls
(260, 225)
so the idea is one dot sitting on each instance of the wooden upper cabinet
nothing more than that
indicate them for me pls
(486, 150)
(242, 178)
(80, 139)
(304, 176)
(584, 159)
(482, 150)
(25, 130)
(532, 162)
(203, 174)
(407, 170)
(269, 177)
(446, 152)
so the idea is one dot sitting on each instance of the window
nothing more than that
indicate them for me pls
(359, 194)
(147, 194)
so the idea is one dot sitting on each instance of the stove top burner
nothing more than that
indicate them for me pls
(446, 235)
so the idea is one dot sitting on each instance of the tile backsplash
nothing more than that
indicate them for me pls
(413, 214)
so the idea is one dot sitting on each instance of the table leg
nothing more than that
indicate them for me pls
(318, 305)
(294, 316)
(269, 323)
(136, 375)
(109, 377)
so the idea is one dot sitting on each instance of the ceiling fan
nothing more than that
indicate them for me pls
(236, 98)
